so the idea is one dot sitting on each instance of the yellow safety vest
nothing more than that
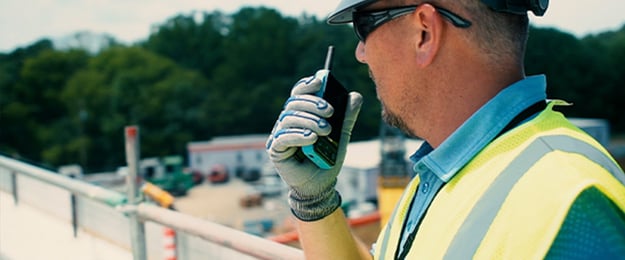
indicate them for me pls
(510, 201)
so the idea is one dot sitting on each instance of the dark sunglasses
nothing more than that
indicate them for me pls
(367, 21)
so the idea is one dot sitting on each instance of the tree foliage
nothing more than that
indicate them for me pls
(132, 86)
(586, 72)
(203, 75)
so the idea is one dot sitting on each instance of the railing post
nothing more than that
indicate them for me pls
(14, 187)
(74, 214)
(137, 229)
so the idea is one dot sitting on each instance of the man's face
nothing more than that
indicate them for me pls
(387, 52)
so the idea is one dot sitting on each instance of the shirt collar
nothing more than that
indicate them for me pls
(480, 129)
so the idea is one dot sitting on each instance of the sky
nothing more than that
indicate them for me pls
(22, 22)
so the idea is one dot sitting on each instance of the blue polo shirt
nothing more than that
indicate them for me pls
(436, 167)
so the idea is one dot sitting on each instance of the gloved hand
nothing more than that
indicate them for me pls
(311, 190)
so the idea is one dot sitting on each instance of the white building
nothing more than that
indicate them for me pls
(358, 181)
(236, 153)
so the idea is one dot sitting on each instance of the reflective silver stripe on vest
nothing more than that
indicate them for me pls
(387, 234)
(477, 223)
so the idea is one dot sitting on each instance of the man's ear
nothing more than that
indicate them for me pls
(430, 26)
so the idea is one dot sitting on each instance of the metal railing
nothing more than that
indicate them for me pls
(109, 217)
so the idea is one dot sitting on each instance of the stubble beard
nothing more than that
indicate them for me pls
(395, 121)
(389, 117)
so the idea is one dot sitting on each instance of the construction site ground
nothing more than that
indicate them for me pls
(221, 203)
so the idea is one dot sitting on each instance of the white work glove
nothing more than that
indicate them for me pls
(312, 195)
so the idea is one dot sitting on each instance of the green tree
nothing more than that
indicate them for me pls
(608, 49)
(131, 86)
(586, 72)
(257, 70)
(193, 41)
(35, 108)
(569, 66)
(16, 130)
(265, 54)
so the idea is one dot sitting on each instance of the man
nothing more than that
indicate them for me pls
(501, 175)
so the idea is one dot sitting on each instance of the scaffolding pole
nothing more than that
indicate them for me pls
(137, 227)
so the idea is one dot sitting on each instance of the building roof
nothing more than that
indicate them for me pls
(229, 143)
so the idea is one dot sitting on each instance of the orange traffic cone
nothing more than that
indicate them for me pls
(169, 243)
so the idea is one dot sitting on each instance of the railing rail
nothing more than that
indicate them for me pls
(227, 237)
(232, 239)
(109, 197)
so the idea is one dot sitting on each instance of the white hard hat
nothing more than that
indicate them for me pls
(343, 12)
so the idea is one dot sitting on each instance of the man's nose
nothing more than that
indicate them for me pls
(360, 52)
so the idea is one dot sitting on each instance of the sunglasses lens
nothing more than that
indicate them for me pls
(363, 26)
(366, 21)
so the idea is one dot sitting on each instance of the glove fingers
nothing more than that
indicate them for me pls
(285, 139)
(278, 156)
(308, 85)
(303, 120)
(354, 104)
(311, 104)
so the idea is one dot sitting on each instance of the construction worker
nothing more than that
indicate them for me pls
(500, 175)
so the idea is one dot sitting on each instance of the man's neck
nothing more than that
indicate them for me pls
(461, 96)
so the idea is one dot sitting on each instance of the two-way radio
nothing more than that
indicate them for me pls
(324, 151)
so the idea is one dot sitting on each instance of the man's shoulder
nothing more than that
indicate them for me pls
(594, 228)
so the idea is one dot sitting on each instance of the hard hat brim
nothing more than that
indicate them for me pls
(343, 12)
